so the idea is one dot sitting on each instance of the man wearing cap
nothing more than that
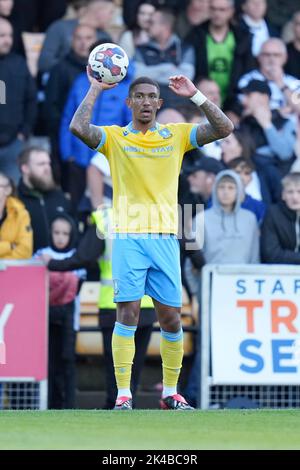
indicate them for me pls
(201, 177)
(274, 136)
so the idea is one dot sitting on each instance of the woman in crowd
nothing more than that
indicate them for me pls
(139, 33)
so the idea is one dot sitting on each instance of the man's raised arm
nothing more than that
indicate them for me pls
(218, 126)
(81, 123)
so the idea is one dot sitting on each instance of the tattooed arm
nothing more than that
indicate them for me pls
(218, 126)
(81, 123)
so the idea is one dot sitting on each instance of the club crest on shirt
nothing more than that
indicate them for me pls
(165, 133)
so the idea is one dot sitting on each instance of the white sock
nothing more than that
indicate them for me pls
(168, 391)
(124, 392)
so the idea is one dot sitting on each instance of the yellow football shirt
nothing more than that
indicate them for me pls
(145, 170)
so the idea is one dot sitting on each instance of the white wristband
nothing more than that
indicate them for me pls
(198, 98)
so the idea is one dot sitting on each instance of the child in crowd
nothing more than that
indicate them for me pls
(63, 314)
(250, 197)
(230, 232)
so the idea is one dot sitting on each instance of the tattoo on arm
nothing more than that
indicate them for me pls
(80, 124)
(218, 126)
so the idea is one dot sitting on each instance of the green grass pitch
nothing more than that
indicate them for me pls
(150, 430)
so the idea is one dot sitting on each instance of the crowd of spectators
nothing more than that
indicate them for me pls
(244, 55)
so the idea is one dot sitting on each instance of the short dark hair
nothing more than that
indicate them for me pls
(241, 161)
(143, 80)
(24, 156)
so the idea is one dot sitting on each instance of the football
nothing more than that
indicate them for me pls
(108, 63)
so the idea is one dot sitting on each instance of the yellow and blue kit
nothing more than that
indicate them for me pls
(145, 170)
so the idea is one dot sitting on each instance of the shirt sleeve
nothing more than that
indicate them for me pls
(103, 142)
(108, 140)
(188, 136)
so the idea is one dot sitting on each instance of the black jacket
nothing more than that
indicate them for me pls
(43, 208)
(19, 112)
(292, 66)
(59, 84)
(34, 14)
(243, 60)
(280, 236)
(273, 31)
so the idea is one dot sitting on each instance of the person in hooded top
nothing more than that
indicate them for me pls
(63, 314)
(231, 234)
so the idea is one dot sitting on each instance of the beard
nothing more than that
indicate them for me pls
(44, 184)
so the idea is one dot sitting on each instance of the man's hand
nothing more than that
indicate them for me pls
(97, 84)
(182, 86)
(261, 111)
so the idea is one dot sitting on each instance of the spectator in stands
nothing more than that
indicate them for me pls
(6, 7)
(39, 194)
(167, 115)
(230, 232)
(253, 21)
(109, 109)
(274, 136)
(61, 80)
(223, 51)
(237, 144)
(271, 60)
(95, 245)
(6, 12)
(48, 12)
(139, 32)
(97, 14)
(245, 169)
(280, 11)
(201, 176)
(131, 6)
(36, 15)
(18, 105)
(15, 228)
(280, 241)
(64, 311)
(165, 55)
(292, 65)
(195, 13)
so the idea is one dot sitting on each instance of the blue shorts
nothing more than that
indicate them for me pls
(143, 265)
